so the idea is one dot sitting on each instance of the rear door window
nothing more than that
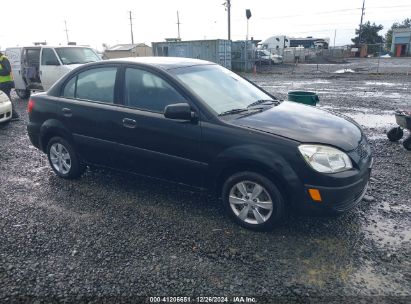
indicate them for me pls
(96, 84)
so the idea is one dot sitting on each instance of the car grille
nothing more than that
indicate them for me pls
(363, 149)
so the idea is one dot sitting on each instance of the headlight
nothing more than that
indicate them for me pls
(325, 159)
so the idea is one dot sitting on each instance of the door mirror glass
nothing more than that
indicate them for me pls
(179, 111)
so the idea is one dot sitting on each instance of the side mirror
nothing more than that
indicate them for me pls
(179, 111)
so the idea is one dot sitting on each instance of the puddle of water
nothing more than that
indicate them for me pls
(380, 83)
(344, 71)
(372, 280)
(368, 110)
(373, 120)
(383, 226)
(367, 119)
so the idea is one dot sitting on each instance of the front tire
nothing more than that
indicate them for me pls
(253, 201)
(63, 159)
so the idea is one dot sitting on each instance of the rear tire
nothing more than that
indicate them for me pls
(395, 134)
(253, 201)
(407, 143)
(63, 159)
(23, 94)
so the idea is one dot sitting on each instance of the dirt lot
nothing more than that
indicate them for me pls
(111, 236)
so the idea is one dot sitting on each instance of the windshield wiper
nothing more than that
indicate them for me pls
(261, 101)
(232, 111)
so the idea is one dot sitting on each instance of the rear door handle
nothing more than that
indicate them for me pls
(129, 123)
(67, 112)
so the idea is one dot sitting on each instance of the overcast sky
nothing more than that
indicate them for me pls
(94, 23)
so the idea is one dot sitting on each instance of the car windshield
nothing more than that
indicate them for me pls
(76, 55)
(220, 88)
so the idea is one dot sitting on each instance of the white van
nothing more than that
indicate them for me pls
(37, 68)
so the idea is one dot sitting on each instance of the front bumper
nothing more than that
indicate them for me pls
(342, 198)
(5, 111)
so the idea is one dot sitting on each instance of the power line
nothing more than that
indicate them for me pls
(391, 6)
(302, 15)
(330, 12)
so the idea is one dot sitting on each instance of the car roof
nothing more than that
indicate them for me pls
(49, 46)
(166, 63)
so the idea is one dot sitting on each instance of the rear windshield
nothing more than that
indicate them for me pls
(76, 55)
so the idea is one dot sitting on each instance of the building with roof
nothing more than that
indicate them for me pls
(128, 50)
(401, 42)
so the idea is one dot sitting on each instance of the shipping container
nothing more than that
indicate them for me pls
(242, 60)
(218, 51)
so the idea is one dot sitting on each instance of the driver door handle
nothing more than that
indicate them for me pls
(66, 112)
(129, 123)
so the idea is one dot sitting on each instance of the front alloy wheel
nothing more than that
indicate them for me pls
(253, 201)
(250, 202)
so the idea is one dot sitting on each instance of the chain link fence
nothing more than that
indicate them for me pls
(369, 59)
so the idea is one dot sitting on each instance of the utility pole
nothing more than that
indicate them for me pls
(131, 28)
(178, 26)
(228, 8)
(248, 15)
(362, 15)
(66, 30)
(335, 34)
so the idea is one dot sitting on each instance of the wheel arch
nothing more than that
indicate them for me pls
(251, 166)
(51, 128)
(265, 160)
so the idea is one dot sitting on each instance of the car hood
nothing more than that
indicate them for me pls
(305, 124)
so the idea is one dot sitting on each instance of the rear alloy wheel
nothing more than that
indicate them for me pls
(395, 134)
(253, 201)
(63, 159)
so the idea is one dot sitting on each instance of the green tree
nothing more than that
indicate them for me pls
(406, 23)
(370, 36)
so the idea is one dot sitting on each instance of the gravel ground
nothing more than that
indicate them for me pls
(112, 237)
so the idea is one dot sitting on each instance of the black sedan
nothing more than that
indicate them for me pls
(194, 122)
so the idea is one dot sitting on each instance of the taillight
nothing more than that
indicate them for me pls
(30, 106)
